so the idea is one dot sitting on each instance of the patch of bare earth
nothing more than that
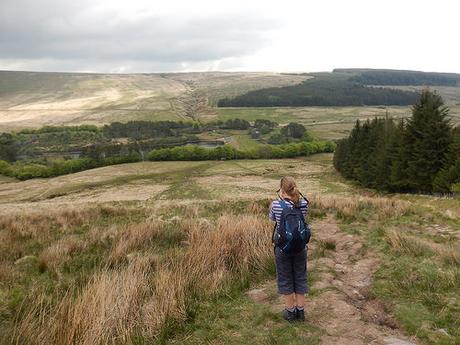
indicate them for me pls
(341, 306)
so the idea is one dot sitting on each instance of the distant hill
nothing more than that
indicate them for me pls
(35, 99)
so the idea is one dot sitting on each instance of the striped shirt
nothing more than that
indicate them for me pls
(276, 209)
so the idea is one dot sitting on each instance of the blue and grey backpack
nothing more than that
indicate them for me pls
(293, 232)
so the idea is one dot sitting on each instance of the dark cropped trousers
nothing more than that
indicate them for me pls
(291, 272)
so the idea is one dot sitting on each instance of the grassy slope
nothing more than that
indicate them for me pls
(30, 99)
(422, 304)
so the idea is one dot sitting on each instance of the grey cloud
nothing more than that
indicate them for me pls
(80, 34)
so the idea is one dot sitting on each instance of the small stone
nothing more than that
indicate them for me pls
(25, 259)
(396, 341)
(443, 331)
(258, 295)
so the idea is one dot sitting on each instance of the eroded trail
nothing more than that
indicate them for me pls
(340, 304)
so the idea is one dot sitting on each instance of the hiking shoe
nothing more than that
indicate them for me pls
(299, 315)
(289, 315)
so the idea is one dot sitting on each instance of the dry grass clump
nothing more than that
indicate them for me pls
(38, 224)
(215, 258)
(168, 302)
(191, 210)
(403, 243)
(17, 228)
(235, 247)
(23, 226)
(418, 247)
(103, 235)
(348, 206)
(119, 304)
(134, 236)
(6, 271)
(107, 311)
(449, 254)
(77, 216)
(259, 206)
(57, 253)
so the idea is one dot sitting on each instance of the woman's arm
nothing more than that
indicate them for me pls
(271, 214)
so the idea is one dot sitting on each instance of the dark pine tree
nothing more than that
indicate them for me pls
(397, 153)
(450, 173)
(427, 140)
(382, 162)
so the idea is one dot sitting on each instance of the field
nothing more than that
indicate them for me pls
(323, 122)
(131, 238)
(31, 100)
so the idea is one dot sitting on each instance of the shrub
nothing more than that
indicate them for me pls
(193, 152)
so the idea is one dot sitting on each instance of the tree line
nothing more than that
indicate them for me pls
(421, 154)
(98, 146)
(322, 91)
(89, 140)
(389, 77)
(226, 152)
(24, 171)
(29, 170)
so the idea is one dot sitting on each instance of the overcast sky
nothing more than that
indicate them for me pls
(235, 35)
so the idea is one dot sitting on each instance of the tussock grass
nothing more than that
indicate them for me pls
(141, 298)
(411, 245)
(329, 244)
(105, 312)
(102, 235)
(415, 246)
(349, 208)
(57, 253)
(259, 207)
(22, 231)
(6, 271)
(134, 236)
(38, 224)
(233, 252)
(450, 254)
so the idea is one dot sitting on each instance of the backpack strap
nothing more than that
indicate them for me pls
(283, 204)
(306, 200)
(273, 235)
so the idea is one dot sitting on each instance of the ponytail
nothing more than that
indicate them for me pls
(289, 186)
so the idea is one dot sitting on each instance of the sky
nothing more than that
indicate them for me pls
(135, 36)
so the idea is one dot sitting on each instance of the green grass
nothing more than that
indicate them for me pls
(236, 319)
(322, 248)
(184, 186)
(420, 288)
(243, 141)
(424, 296)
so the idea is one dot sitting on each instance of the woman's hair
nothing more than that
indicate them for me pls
(289, 187)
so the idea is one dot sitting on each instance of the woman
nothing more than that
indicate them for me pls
(291, 268)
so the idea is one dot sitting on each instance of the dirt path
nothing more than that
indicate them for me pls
(341, 306)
